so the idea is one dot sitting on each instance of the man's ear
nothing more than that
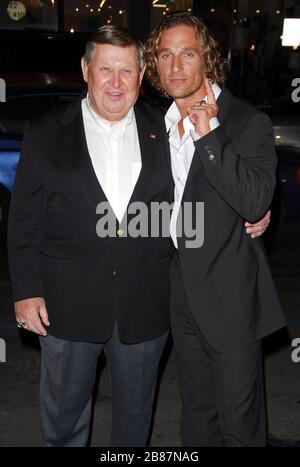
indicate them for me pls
(85, 69)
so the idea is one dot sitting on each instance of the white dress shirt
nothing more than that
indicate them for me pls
(182, 151)
(115, 154)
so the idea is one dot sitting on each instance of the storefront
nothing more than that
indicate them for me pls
(48, 36)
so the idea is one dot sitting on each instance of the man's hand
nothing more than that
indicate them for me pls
(32, 314)
(256, 230)
(201, 112)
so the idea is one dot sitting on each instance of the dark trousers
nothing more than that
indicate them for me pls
(68, 371)
(222, 392)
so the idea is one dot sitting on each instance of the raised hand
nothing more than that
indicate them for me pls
(201, 112)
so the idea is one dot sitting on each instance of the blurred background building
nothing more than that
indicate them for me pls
(46, 37)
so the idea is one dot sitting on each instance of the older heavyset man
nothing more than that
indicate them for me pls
(223, 301)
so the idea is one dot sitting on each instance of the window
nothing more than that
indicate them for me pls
(261, 68)
(88, 15)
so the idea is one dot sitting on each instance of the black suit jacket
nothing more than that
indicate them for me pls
(228, 281)
(54, 250)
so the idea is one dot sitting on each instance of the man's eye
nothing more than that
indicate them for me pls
(189, 54)
(104, 68)
(165, 56)
(128, 71)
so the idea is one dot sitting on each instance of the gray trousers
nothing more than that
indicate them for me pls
(68, 371)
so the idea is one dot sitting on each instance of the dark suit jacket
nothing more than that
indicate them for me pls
(228, 281)
(54, 251)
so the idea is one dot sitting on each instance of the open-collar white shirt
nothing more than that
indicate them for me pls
(182, 152)
(115, 154)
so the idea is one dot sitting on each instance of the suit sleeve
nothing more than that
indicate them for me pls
(243, 172)
(25, 217)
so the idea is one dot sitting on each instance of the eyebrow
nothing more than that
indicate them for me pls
(185, 49)
(106, 63)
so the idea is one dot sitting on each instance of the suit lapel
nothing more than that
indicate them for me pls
(76, 144)
(223, 102)
(149, 141)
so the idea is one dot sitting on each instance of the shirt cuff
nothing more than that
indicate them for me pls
(213, 123)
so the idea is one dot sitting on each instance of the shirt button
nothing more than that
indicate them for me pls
(211, 157)
(120, 232)
(114, 273)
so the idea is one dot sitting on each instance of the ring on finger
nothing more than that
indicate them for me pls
(21, 324)
(198, 105)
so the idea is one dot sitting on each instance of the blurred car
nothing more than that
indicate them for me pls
(10, 146)
(285, 116)
(288, 182)
(22, 103)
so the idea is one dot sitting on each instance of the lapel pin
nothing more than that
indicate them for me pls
(152, 135)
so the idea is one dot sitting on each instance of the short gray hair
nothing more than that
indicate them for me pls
(113, 35)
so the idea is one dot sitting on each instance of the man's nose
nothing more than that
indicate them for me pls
(116, 80)
(176, 64)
